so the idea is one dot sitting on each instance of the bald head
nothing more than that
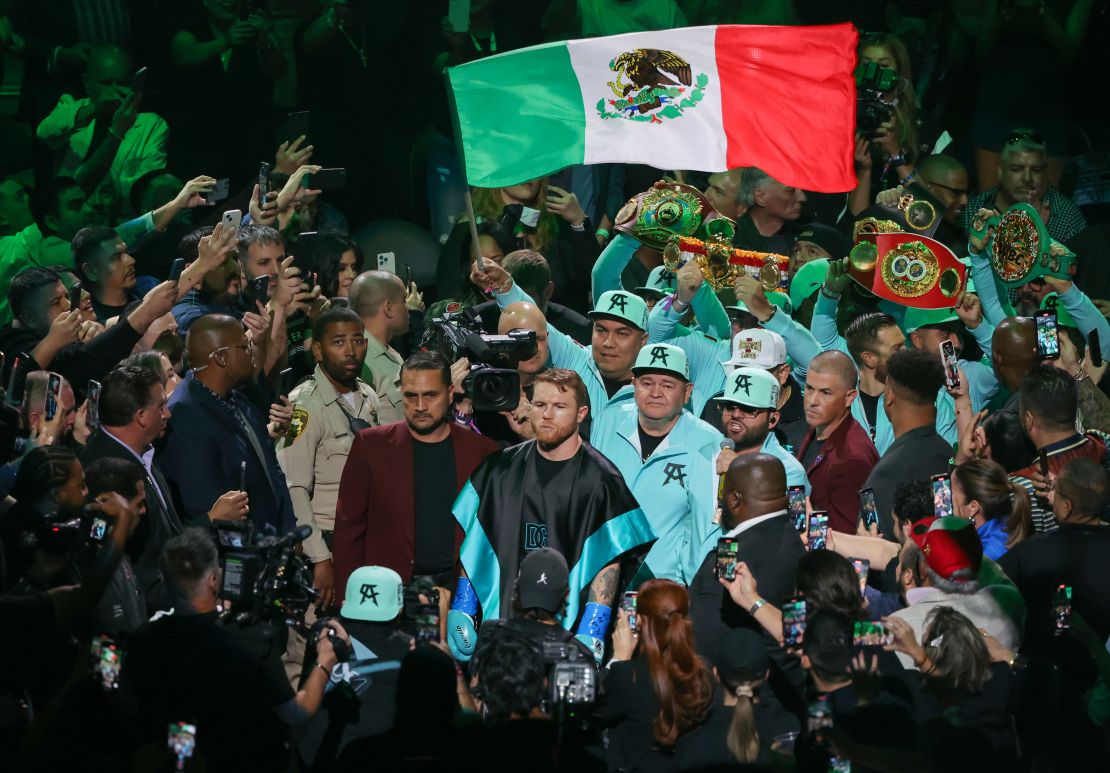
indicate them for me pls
(521, 315)
(755, 485)
(836, 363)
(938, 166)
(209, 333)
(372, 289)
(1014, 350)
(107, 58)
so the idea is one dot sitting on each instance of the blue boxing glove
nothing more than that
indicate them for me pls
(592, 628)
(462, 631)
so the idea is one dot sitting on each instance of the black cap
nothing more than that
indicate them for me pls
(543, 580)
(741, 655)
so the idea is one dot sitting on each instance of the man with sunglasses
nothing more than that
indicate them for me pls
(946, 178)
(1023, 178)
(329, 409)
(749, 411)
(217, 439)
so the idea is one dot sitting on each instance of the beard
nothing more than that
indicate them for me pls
(427, 429)
(552, 439)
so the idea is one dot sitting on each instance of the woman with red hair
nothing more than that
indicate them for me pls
(656, 689)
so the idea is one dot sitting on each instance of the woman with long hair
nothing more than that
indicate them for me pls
(656, 689)
(886, 157)
(1000, 508)
(337, 260)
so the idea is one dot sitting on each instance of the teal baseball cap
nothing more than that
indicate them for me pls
(374, 593)
(807, 281)
(622, 306)
(1063, 316)
(660, 280)
(919, 318)
(662, 358)
(752, 388)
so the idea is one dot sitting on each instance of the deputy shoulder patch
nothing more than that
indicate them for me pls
(297, 425)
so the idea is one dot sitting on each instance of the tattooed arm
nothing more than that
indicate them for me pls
(603, 589)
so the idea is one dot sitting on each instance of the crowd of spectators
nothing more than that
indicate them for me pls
(300, 469)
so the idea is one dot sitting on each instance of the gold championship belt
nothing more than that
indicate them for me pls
(1020, 249)
(722, 264)
(671, 209)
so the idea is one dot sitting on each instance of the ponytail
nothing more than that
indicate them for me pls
(743, 736)
(1019, 526)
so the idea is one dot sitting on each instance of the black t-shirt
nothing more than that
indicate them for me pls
(648, 443)
(612, 386)
(812, 452)
(870, 410)
(547, 469)
(433, 479)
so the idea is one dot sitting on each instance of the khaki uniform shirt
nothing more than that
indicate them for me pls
(314, 449)
(382, 371)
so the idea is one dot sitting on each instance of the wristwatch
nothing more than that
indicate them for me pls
(759, 603)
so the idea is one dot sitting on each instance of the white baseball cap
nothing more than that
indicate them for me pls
(758, 348)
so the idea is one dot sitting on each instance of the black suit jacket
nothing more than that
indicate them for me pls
(771, 550)
(160, 523)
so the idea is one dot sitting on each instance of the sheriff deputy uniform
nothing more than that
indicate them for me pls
(314, 449)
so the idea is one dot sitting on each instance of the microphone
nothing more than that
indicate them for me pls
(726, 445)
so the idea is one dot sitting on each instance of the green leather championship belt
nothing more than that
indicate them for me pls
(1020, 249)
(672, 209)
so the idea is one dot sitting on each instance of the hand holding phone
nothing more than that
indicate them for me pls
(219, 192)
(727, 559)
(951, 367)
(231, 220)
(628, 604)
(942, 496)
(818, 530)
(793, 621)
(868, 509)
(796, 506)
(285, 383)
(92, 397)
(1048, 334)
(53, 395)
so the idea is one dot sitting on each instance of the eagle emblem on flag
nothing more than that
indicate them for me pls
(651, 84)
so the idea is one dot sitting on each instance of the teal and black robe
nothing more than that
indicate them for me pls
(586, 513)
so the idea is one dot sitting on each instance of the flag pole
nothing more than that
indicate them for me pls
(474, 246)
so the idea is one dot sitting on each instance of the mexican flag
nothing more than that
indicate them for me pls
(699, 98)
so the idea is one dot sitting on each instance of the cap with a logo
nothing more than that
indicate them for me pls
(662, 358)
(807, 281)
(752, 388)
(660, 280)
(543, 580)
(916, 319)
(949, 544)
(373, 593)
(1063, 316)
(622, 306)
(758, 348)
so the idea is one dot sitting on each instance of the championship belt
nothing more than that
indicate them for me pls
(671, 209)
(908, 269)
(1020, 249)
(722, 264)
(917, 211)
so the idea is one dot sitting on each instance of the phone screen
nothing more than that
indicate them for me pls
(951, 369)
(98, 532)
(818, 530)
(426, 619)
(942, 496)
(726, 557)
(628, 604)
(793, 621)
(868, 510)
(93, 396)
(53, 395)
(1048, 335)
(107, 658)
(182, 740)
(867, 633)
(1061, 610)
(862, 567)
(263, 182)
(796, 504)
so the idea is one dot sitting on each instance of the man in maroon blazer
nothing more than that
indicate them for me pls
(836, 451)
(401, 479)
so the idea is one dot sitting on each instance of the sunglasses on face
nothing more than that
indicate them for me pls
(955, 191)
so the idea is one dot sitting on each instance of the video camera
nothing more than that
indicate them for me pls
(61, 535)
(263, 576)
(571, 676)
(872, 111)
(493, 383)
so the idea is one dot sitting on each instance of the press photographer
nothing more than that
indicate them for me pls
(187, 665)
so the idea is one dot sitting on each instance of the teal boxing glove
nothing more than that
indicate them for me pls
(592, 628)
(462, 631)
